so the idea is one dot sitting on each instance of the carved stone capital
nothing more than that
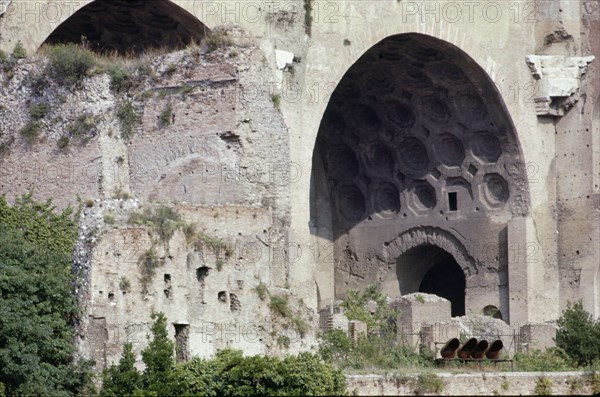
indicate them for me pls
(559, 81)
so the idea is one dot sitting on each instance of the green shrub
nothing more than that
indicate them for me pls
(63, 142)
(279, 305)
(109, 219)
(283, 341)
(300, 325)
(308, 18)
(149, 262)
(218, 38)
(121, 79)
(128, 117)
(2, 56)
(123, 379)
(276, 99)
(6, 145)
(171, 69)
(31, 131)
(578, 334)
(262, 291)
(335, 346)
(368, 352)
(202, 241)
(166, 115)
(125, 284)
(19, 51)
(552, 359)
(355, 308)
(164, 221)
(228, 374)
(543, 387)
(38, 111)
(84, 127)
(70, 63)
(120, 194)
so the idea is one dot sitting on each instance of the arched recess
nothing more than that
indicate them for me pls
(416, 137)
(122, 26)
(424, 253)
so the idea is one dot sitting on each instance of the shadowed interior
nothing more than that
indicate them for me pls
(414, 135)
(130, 26)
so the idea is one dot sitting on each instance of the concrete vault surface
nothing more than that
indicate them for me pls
(445, 148)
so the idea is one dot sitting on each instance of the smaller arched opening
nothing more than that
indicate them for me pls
(492, 311)
(432, 270)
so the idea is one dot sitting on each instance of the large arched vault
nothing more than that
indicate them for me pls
(416, 137)
(130, 26)
(123, 26)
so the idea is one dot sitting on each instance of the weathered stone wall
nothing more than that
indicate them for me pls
(480, 384)
(245, 169)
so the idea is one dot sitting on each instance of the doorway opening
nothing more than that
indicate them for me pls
(430, 269)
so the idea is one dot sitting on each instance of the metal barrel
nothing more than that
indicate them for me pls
(449, 349)
(493, 353)
(467, 348)
(480, 349)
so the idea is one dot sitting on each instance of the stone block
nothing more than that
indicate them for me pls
(418, 310)
(357, 329)
(538, 336)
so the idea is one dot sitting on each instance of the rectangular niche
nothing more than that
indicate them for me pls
(452, 201)
(182, 342)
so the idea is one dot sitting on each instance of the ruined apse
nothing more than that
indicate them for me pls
(416, 172)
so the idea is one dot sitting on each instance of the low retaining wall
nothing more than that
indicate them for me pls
(476, 384)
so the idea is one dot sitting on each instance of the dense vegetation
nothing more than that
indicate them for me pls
(228, 374)
(579, 335)
(379, 349)
(577, 344)
(37, 310)
(37, 306)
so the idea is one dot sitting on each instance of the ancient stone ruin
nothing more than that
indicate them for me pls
(444, 148)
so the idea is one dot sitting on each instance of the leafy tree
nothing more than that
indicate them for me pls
(158, 357)
(205, 377)
(578, 334)
(335, 345)
(123, 379)
(306, 375)
(253, 376)
(228, 374)
(355, 308)
(37, 305)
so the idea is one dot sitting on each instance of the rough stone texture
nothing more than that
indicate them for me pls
(538, 336)
(417, 310)
(399, 148)
(481, 384)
